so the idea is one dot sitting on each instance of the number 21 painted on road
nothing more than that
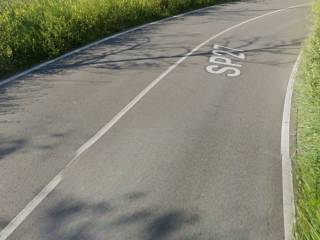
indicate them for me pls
(220, 64)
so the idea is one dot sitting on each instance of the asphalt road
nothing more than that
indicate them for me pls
(196, 156)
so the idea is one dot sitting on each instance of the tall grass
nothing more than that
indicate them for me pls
(35, 30)
(308, 159)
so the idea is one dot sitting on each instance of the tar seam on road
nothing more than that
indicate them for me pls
(287, 180)
(29, 208)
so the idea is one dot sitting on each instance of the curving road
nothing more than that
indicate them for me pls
(170, 131)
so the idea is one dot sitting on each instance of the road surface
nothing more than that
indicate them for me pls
(171, 131)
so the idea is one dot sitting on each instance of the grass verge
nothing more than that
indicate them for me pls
(37, 30)
(308, 137)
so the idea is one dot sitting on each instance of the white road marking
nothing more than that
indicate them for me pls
(236, 53)
(27, 210)
(222, 64)
(287, 180)
(8, 230)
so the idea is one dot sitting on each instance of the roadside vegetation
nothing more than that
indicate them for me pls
(36, 30)
(308, 154)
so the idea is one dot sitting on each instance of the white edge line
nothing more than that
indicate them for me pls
(27, 210)
(287, 175)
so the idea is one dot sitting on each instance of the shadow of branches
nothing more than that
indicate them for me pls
(71, 219)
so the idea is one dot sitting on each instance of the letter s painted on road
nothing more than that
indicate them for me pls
(231, 71)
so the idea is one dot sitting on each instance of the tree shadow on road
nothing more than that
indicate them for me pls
(71, 219)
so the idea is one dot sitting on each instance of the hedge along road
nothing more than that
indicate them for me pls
(196, 156)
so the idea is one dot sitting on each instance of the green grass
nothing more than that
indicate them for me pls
(36, 30)
(308, 145)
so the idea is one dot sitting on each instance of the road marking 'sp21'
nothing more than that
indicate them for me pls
(221, 61)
